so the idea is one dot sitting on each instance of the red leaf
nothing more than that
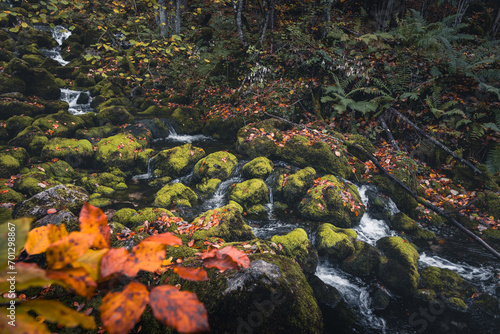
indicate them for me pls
(120, 311)
(225, 258)
(164, 239)
(112, 262)
(50, 211)
(191, 274)
(93, 220)
(180, 310)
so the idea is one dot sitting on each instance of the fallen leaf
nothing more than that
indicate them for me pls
(94, 221)
(68, 249)
(191, 274)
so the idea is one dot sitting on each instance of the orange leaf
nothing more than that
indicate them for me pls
(93, 220)
(120, 311)
(225, 258)
(145, 256)
(191, 274)
(40, 238)
(76, 278)
(50, 211)
(91, 262)
(164, 239)
(180, 310)
(112, 262)
(68, 249)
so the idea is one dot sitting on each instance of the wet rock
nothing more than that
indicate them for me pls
(256, 139)
(251, 195)
(58, 197)
(119, 151)
(157, 127)
(16, 124)
(221, 128)
(336, 243)
(225, 222)
(9, 195)
(188, 120)
(364, 262)
(219, 165)
(116, 115)
(398, 268)
(94, 134)
(258, 168)
(175, 194)
(62, 124)
(75, 152)
(95, 181)
(333, 201)
(8, 165)
(9, 84)
(297, 246)
(177, 161)
(296, 185)
(402, 223)
(60, 217)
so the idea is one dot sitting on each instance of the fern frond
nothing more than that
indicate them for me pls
(493, 160)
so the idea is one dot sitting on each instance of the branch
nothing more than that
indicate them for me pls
(388, 132)
(435, 142)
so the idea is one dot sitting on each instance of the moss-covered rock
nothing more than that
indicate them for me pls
(118, 151)
(99, 201)
(58, 197)
(62, 124)
(219, 165)
(398, 268)
(59, 170)
(250, 194)
(94, 134)
(30, 185)
(271, 296)
(123, 216)
(116, 115)
(10, 107)
(302, 152)
(43, 84)
(364, 262)
(490, 202)
(175, 194)
(75, 152)
(225, 222)
(221, 128)
(402, 223)
(65, 217)
(188, 120)
(258, 168)
(17, 123)
(296, 185)
(463, 175)
(95, 181)
(9, 84)
(334, 242)
(9, 195)
(8, 165)
(333, 201)
(253, 141)
(445, 282)
(362, 141)
(297, 246)
(177, 161)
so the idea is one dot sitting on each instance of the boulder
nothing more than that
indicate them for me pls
(188, 120)
(364, 262)
(116, 115)
(8, 165)
(65, 217)
(297, 246)
(17, 123)
(177, 161)
(251, 195)
(219, 165)
(331, 200)
(95, 181)
(258, 139)
(411, 229)
(75, 152)
(175, 194)
(118, 151)
(258, 168)
(335, 243)
(95, 134)
(296, 185)
(62, 124)
(10, 84)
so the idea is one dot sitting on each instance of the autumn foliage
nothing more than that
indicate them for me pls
(81, 261)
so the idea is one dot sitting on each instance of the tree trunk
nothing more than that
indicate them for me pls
(238, 9)
(177, 22)
(162, 11)
(496, 24)
(327, 17)
(462, 8)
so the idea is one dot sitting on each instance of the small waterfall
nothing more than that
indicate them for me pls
(370, 230)
(270, 206)
(174, 136)
(354, 292)
(59, 33)
(183, 179)
(219, 197)
(484, 277)
(73, 97)
(148, 175)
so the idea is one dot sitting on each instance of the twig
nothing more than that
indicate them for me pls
(388, 132)
(434, 141)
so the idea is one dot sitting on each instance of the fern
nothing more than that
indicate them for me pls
(493, 160)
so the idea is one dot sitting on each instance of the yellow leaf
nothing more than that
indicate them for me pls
(208, 61)
(40, 238)
(91, 262)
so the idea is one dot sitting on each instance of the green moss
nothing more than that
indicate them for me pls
(208, 186)
(231, 225)
(258, 168)
(116, 115)
(121, 186)
(446, 282)
(361, 141)
(29, 186)
(458, 303)
(490, 202)
(123, 216)
(219, 165)
(96, 181)
(105, 190)
(148, 214)
(94, 134)
(297, 184)
(9, 195)
(224, 128)
(399, 249)
(336, 243)
(181, 252)
(364, 262)
(100, 202)
(250, 193)
(10, 84)
(8, 165)
(175, 194)
(16, 124)
(177, 161)
(301, 152)
(331, 201)
(63, 124)
(74, 152)
(118, 151)
(59, 170)
(188, 120)
(253, 142)
(402, 223)
(296, 245)
(5, 214)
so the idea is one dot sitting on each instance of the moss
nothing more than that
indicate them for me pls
(8, 165)
(30, 186)
(105, 190)
(175, 194)
(219, 165)
(486, 304)
(253, 141)
(224, 128)
(100, 202)
(83, 80)
(177, 161)
(364, 262)
(231, 225)
(94, 134)
(188, 120)
(75, 152)
(116, 115)
(404, 201)
(402, 223)
(301, 152)
(121, 186)
(208, 186)
(33, 60)
(16, 124)
(258, 168)
(118, 151)
(250, 193)
(181, 252)
(59, 170)
(296, 245)
(5, 214)
(361, 141)
(10, 84)
(123, 216)
(97, 180)
(148, 214)
(399, 249)
(336, 243)
(297, 184)
(9, 195)
(472, 181)
(9, 108)
(458, 303)
(490, 202)
(43, 84)
(445, 282)
(62, 124)
(332, 201)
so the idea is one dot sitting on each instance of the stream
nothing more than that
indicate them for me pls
(354, 291)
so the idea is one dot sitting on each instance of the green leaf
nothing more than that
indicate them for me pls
(55, 311)
(15, 29)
